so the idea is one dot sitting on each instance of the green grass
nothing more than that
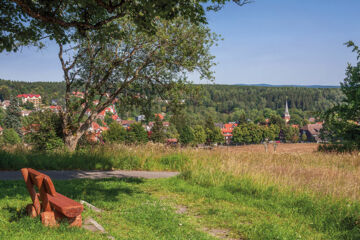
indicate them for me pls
(97, 158)
(224, 193)
(146, 209)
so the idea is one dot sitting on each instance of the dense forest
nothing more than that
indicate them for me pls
(221, 102)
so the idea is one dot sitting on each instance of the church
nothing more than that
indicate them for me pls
(286, 114)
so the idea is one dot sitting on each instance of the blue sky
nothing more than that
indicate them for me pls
(268, 41)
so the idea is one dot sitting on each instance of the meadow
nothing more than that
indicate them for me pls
(226, 192)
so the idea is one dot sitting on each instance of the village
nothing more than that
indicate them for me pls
(30, 103)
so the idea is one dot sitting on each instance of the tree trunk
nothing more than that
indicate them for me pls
(71, 141)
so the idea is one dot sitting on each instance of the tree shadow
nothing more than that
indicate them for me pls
(108, 189)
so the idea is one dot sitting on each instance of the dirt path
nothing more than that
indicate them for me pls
(73, 174)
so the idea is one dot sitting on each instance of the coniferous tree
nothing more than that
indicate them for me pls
(186, 135)
(12, 118)
(157, 131)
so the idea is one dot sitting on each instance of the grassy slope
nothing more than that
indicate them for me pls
(146, 209)
(228, 193)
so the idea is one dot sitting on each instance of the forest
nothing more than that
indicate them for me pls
(222, 102)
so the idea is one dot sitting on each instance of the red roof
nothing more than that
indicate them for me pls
(160, 116)
(95, 125)
(228, 129)
(28, 95)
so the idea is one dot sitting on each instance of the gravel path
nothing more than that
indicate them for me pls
(73, 174)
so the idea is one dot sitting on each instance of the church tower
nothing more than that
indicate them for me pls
(286, 114)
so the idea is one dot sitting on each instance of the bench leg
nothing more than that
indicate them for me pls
(48, 219)
(31, 211)
(76, 221)
(73, 222)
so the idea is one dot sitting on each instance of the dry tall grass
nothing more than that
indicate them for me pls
(297, 166)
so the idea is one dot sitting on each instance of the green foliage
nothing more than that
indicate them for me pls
(115, 134)
(291, 134)
(45, 130)
(12, 118)
(186, 135)
(199, 135)
(10, 137)
(29, 105)
(252, 133)
(108, 118)
(2, 117)
(342, 121)
(29, 23)
(213, 133)
(304, 137)
(270, 132)
(140, 136)
(158, 131)
(172, 132)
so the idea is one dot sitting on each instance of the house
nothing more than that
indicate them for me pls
(171, 141)
(159, 115)
(312, 131)
(55, 109)
(140, 118)
(25, 113)
(227, 130)
(78, 94)
(127, 123)
(312, 120)
(33, 98)
(5, 104)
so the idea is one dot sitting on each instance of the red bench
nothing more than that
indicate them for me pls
(50, 205)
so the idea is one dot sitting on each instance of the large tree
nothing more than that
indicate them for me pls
(28, 22)
(342, 122)
(126, 67)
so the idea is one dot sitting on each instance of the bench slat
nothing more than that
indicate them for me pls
(65, 205)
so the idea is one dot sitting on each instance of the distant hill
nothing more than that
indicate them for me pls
(303, 86)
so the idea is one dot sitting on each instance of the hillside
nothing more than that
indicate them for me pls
(223, 102)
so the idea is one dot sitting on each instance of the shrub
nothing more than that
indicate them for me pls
(115, 134)
(11, 137)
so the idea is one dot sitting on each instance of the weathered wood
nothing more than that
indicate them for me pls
(30, 187)
(65, 205)
(54, 206)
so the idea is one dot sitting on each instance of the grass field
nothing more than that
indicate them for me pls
(226, 193)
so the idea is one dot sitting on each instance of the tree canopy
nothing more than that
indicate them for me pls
(24, 22)
(342, 122)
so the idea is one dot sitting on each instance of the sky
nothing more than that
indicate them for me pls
(268, 41)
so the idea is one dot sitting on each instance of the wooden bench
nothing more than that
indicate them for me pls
(50, 205)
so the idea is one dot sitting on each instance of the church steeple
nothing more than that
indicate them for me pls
(286, 114)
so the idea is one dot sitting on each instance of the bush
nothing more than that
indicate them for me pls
(11, 137)
(45, 131)
(115, 134)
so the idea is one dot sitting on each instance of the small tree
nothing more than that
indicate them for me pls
(304, 137)
(199, 134)
(12, 118)
(291, 134)
(115, 134)
(45, 130)
(157, 131)
(11, 137)
(140, 135)
(186, 135)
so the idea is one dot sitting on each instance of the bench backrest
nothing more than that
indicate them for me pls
(43, 183)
